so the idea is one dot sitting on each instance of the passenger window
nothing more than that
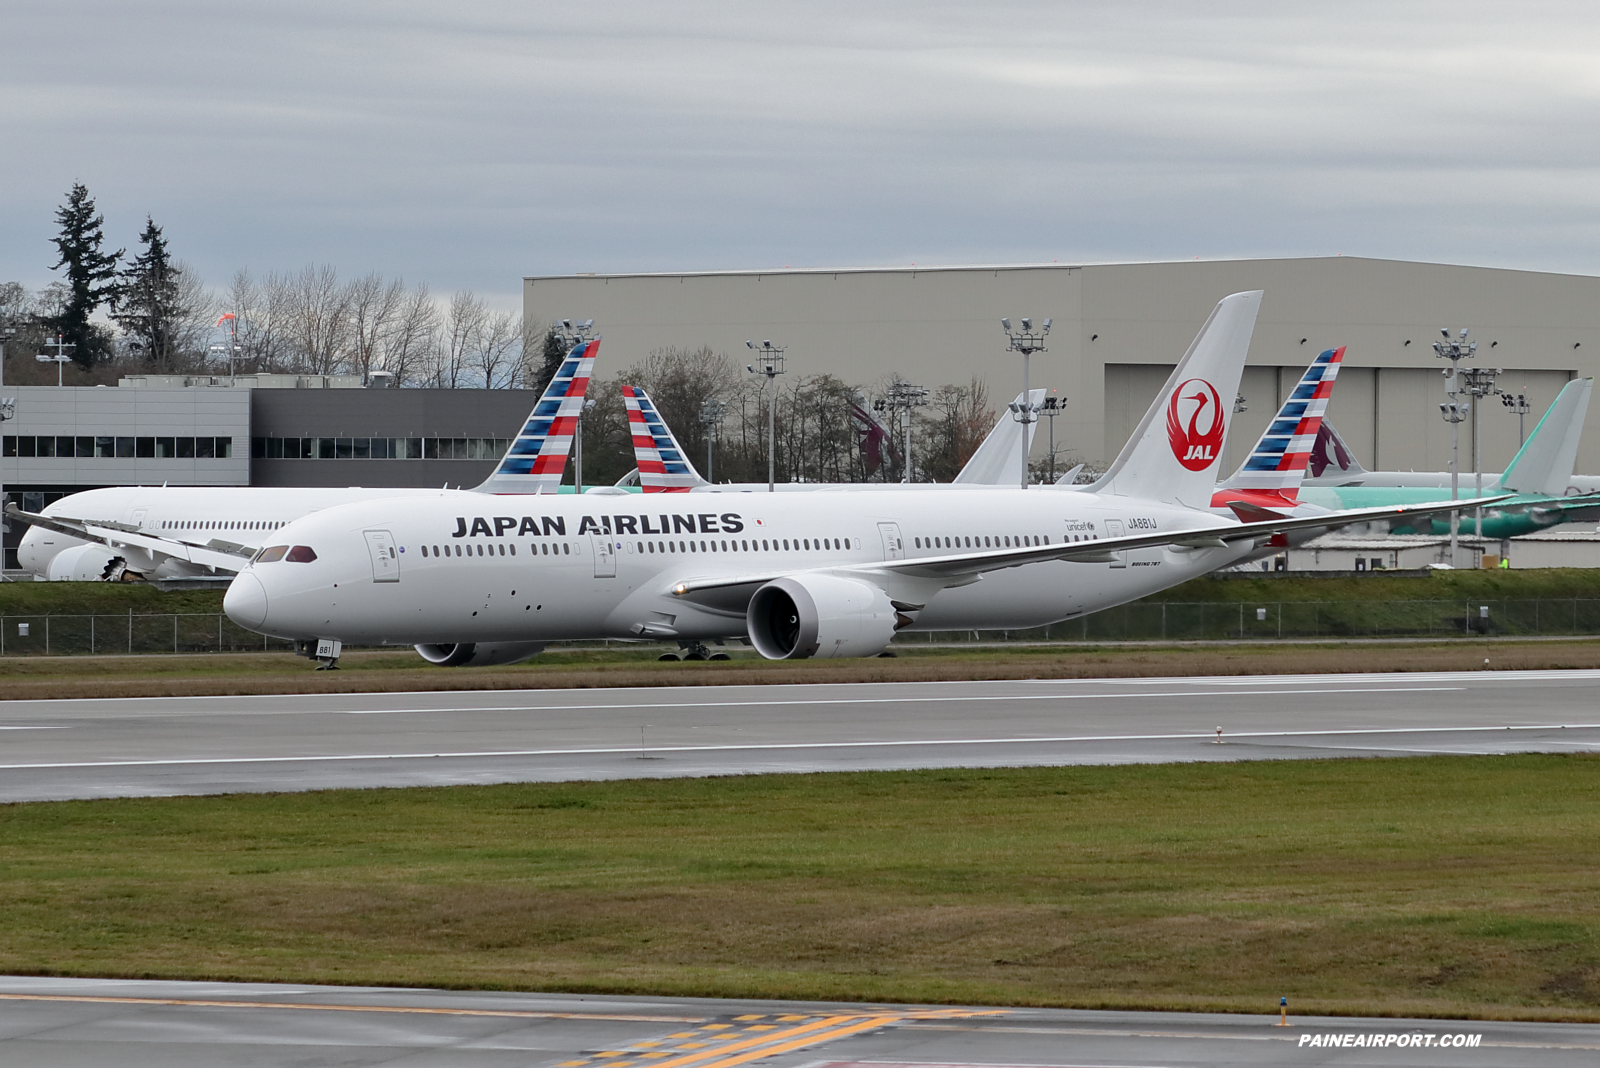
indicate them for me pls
(301, 554)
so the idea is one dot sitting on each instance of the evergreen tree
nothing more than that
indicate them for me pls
(91, 277)
(147, 299)
(555, 350)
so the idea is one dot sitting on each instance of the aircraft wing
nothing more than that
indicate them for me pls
(957, 568)
(226, 555)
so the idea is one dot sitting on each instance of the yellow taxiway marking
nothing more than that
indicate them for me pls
(519, 1014)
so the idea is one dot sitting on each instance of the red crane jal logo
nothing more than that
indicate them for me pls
(1195, 424)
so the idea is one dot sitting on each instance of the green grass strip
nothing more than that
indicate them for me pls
(1430, 886)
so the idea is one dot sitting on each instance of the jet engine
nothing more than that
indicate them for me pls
(88, 563)
(480, 654)
(801, 616)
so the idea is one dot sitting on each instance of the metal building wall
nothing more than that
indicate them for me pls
(393, 413)
(939, 325)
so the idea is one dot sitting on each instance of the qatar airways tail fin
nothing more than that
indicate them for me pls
(537, 459)
(1174, 452)
(663, 467)
(997, 461)
(1278, 461)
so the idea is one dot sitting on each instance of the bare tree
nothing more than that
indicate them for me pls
(373, 308)
(498, 351)
(408, 353)
(458, 338)
(261, 313)
(320, 321)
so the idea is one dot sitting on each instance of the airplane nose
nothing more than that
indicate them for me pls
(246, 601)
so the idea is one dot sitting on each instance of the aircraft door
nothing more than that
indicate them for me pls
(894, 546)
(605, 556)
(1114, 530)
(138, 517)
(385, 557)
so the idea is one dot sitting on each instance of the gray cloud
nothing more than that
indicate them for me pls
(470, 144)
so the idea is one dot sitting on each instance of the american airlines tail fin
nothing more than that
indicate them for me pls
(663, 467)
(537, 459)
(1174, 452)
(1544, 465)
(1279, 460)
(997, 463)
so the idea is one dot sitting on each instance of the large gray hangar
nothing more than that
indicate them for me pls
(1119, 328)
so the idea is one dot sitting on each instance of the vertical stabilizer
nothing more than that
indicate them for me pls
(1279, 459)
(537, 459)
(1544, 465)
(1174, 452)
(995, 462)
(663, 467)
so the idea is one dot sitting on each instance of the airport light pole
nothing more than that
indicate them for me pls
(577, 447)
(712, 413)
(1053, 406)
(1455, 350)
(1480, 384)
(903, 397)
(1518, 404)
(8, 410)
(1026, 342)
(60, 359)
(769, 362)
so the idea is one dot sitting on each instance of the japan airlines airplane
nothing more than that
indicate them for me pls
(797, 575)
(198, 532)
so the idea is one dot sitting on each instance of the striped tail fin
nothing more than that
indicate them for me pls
(1279, 459)
(537, 459)
(663, 468)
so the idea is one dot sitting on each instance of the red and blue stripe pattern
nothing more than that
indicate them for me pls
(537, 460)
(663, 468)
(1279, 459)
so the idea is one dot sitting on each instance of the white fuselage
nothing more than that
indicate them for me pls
(463, 567)
(243, 515)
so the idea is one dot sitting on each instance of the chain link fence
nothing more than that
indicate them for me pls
(1268, 620)
(208, 632)
(70, 635)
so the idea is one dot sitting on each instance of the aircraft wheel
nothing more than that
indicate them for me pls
(694, 656)
(668, 656)
(720, 656)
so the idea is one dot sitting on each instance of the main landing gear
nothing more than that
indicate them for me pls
(695, 651)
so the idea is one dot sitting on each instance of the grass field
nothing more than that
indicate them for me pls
(404, 671)
(1418, 887)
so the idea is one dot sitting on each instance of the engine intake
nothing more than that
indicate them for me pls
(479, 654)
(797, 617)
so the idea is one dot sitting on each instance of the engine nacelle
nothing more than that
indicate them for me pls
(796, 617)
(480, 654)
(89, 562)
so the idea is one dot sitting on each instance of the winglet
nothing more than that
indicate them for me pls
(537, 459)
(663, 467)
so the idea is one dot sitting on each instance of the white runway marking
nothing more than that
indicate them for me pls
(1206, 736)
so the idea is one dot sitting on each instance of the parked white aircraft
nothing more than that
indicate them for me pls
(195, 532)
(799, 575)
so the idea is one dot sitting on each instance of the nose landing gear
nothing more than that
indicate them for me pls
(325, 651)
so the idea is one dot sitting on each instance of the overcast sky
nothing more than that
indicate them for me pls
(469, 143)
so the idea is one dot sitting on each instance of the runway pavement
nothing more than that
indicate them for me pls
(162, 746)
(55, 1023)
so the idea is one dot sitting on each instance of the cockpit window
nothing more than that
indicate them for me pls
(301, 554)
(271, 554)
